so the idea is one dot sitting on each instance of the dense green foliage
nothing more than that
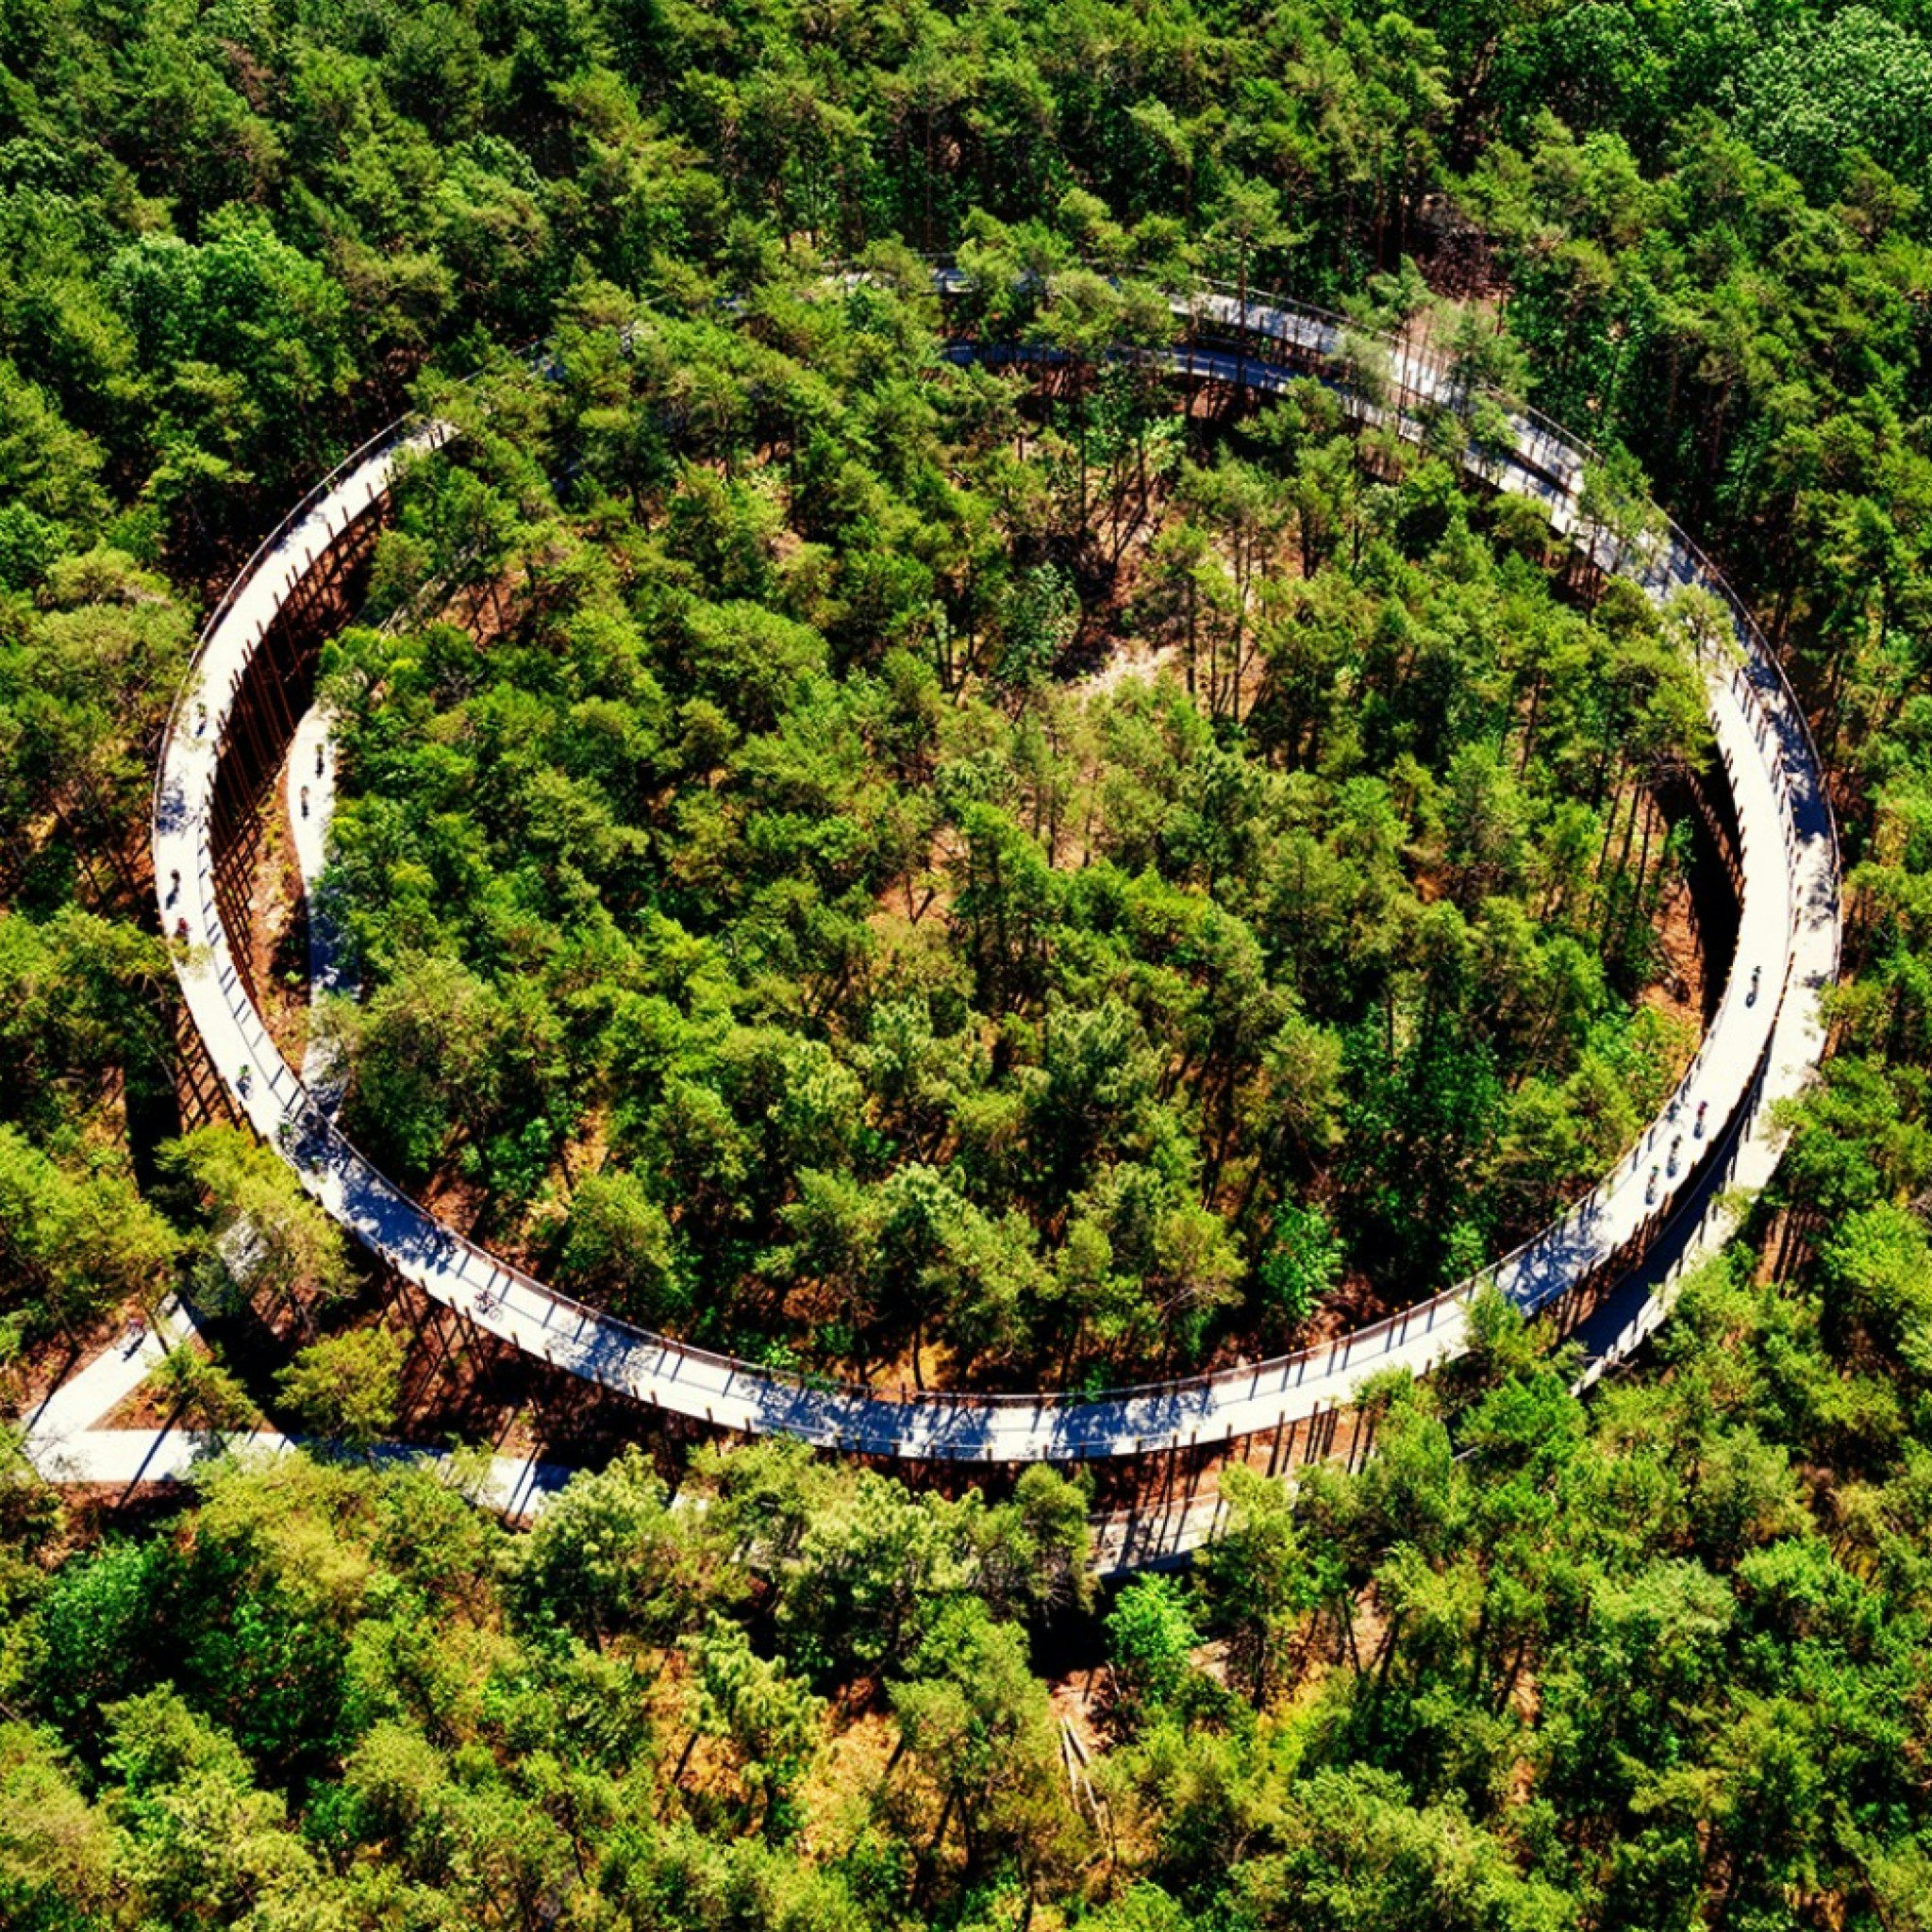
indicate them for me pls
(1657, 1662)
(771, 898)
(1532, 1669)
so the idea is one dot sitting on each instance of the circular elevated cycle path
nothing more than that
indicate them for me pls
(1761, 1046)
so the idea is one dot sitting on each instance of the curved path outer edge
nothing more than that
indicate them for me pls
(1755, 1050)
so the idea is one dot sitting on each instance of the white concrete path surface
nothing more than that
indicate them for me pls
(1761, 1046)
(310, 784)
(73, 1406)
(514, 1486)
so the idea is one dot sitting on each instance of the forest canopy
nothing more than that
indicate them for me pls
(661, 731)
(886, 855)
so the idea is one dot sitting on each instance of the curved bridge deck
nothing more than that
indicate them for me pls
(1761, 1047)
